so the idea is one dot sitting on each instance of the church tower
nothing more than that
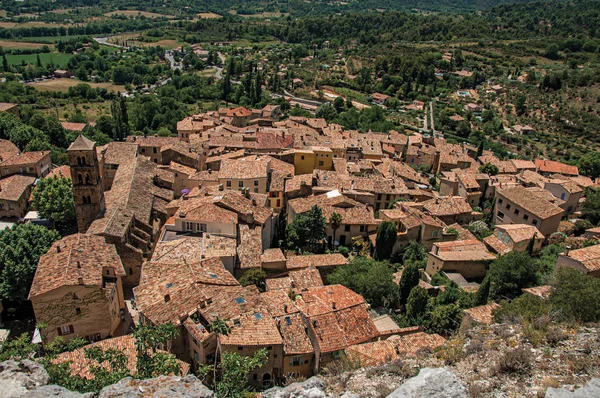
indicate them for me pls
(87, 182)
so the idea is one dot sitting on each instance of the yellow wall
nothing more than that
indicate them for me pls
(304, 163)
(323, 160)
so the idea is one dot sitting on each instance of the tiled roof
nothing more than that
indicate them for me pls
(523, 164)
(272, 255)
(171, 291)
(398, 277)
(192, 248)
(63, 171)
(250, 247)
(74, 260)
(120, 152)
(467, 250)
(297, 182)
(4, 106)
(80, 365)
(531, 202)
(496, 245)
(589, 257)
(152, 141)
(568, 185)
(81, 143)
(13, 187)
(298, 280)
(316, 260)
(483, 313)
(521, 232)
(255, 328)
(553, 167)
(204, 210)
(7, 150)
(243, 206)
(327, 299)
(25, 158)
(394, 348)
(73, 126)
(447, 206)
(352, 212)
(529, 177)
(243, 169)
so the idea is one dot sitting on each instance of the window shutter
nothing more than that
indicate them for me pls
(59, 331)
(71, 330)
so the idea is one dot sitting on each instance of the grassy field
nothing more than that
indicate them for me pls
(46, 39)
(3, 13)
(11, 44)
(264, 14)
(64, 84)
(168, 44)
(7, 25)
(209, 15)
(59, 59)
(136, 13)
(40, 24)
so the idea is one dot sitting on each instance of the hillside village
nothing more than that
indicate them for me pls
(168, 228)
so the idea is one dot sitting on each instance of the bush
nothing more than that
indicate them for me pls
(517, 360)
(255, 277)
(344, 251)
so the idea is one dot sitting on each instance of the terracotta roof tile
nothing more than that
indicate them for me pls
(316, 260)
(483, 313)
(13, 187)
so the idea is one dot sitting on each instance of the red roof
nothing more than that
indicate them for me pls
(550, 166)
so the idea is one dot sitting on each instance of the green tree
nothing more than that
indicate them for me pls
(255, 276)
(53, 199)
(589, 164)
(307, 230)
(150, 361)
(335, 221)
(386, 238)
(481, 297)
(590, 209)
(510, 273)
(233, 373)
(19, 348)
(20, 249)
(443, 319)
(417, 302)
(489, 168)
(410, 279)
(414, 252)
(576, 296)
(369, 278)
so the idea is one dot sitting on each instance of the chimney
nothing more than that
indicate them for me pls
(58, 249)
(80, 281)
(78, 264)
(167, 298)
(567, 250)
(285, 308)
(333, 305)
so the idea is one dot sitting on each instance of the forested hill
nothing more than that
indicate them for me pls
(295, 8)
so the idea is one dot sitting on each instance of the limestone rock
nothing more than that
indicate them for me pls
(56, 391)
(164, 386)
(18, 378)
(310, 388)
(591, 389)
(432, 383)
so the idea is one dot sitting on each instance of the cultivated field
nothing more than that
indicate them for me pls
(168, 44)
(59, 59)
(10, 44)
(137, 13)
(7, 25)
(209, 15)
(64, 84)
(265, 14)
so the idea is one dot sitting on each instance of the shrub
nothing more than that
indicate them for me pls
(517, 360)
(344, 251)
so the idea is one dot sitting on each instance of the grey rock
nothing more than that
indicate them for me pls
(349, 395)
(18, 378)
(310, 388)
(56, 391)
(164, 386)
(432, 383)
(591, 389)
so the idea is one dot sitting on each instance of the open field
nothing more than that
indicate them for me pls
(209, 15)
(264, 14)
(7, 25)
(59, 59)
(45, 39)
(136, 13)
(64, 84)
(2, 13)
(10, 44)
(40, 24)
(168, 44)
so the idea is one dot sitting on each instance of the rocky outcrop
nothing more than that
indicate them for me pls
(432, 383)
(19, 378)
(591, 389)
(164, 386)
(310, 388)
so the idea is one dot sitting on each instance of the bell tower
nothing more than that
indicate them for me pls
(87, 182)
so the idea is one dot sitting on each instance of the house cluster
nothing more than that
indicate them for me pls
(176, 222)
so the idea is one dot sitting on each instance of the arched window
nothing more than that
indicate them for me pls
(266, 380)
(78, 161)
(88, 180)
(89, 199)
(83, 160)
(80, 178)
(84, 200)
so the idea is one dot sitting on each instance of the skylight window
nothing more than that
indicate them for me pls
(169, 285)
(214, 276)
(258, 316)
(240, 300)
(288, 320)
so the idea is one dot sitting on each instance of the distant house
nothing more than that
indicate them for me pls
(62, 74)
(519, 205)
(470, 258)
(523, 130)
(9, 108)
(379, 98)
(482, 315)
(549, 167)
(78, 127)
(566, 190)
(514, 237)
(14, 193)
(473, 108)
(586, 260)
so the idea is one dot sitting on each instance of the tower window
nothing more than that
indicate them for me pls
(80, 178)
